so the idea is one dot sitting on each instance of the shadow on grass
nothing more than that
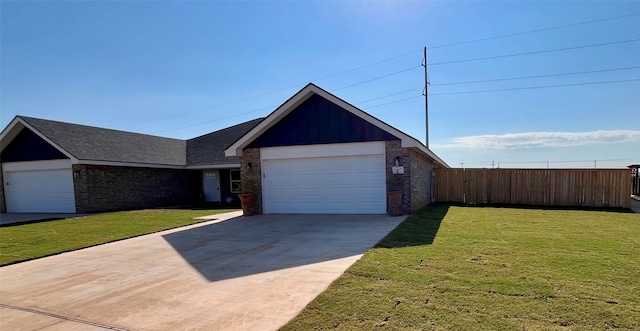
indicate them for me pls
(544, 207)
(416, 230)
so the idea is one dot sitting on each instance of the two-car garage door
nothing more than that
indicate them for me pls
(336, 178)
(38, 187)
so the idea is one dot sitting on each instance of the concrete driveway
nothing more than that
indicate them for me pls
(234, 273)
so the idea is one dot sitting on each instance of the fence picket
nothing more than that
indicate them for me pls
(546, 187)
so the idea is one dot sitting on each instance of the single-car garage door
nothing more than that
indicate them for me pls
(310, 179)
(39, 191)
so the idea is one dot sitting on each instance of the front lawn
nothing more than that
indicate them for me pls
(30, 241)
(470, 268)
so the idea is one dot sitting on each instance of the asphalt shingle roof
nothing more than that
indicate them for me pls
(99, 144)
(209, 148)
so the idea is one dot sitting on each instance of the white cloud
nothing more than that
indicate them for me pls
(543, 139)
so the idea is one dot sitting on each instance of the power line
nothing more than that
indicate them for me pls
(535, 31)
(571, 161)
(540, 87)
(390, 95)
(382, 61)
(535, 52)
(401, 100)
(396, 101)
(499, 90)
(215, 120)
(376, 78)
(411, 68)
(537, 76)
(548, 162)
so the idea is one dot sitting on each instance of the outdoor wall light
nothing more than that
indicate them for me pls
(249, 165)
(397, 161)
(76, 174)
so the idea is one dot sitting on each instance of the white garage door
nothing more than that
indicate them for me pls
(345, 184)
(39, 191)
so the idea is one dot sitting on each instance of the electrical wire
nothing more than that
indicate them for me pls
(376, 78)
(549, 162)
(534, 31)
(382, 61)
(388, 95)
(404, 99)
(535, 52)
(216, 120)
(538, 87)
(537, 76)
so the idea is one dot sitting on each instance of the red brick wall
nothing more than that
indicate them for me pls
(416, 187)
(252, 155)
(421, 169)
(393, 149)
(107, 188)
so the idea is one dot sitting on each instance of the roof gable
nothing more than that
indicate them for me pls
(81, 142)
(319, 121)
(299, 98)
(30, 139)
(28, 146)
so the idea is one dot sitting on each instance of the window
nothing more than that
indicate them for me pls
(209, 175)
(235, 181)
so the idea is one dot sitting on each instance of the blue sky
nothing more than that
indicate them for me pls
(182, 69)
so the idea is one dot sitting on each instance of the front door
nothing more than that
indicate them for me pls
(211, 185)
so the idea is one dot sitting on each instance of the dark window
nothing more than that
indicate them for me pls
(235, 181)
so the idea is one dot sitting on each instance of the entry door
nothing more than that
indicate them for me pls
(211, 185)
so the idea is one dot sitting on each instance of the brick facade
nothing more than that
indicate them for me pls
(393, 149)
(416, 181)
(252, 155)
(107, 188)
(421, 181)
(415, 184)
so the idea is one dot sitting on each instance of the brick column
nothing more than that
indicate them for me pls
(252, 155)
(393, 149)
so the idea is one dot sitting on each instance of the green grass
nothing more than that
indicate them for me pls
(29, 241)
(466, 268)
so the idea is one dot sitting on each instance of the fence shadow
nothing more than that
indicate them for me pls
(545, 207)
(417, 230)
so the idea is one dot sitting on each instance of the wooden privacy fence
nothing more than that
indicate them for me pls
(541, 187)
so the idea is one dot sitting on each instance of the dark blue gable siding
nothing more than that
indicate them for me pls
(28, 146)
(319, 121)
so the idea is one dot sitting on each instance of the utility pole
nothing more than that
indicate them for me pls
(426, 97)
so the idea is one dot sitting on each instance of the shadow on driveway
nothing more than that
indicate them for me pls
(245, 246)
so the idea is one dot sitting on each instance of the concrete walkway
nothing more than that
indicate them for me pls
(234, 273)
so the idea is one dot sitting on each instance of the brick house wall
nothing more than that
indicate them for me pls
(416, 180)
(421, 181)
(252, 155)
(416, 183)
(393, 149)
(107, 188)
